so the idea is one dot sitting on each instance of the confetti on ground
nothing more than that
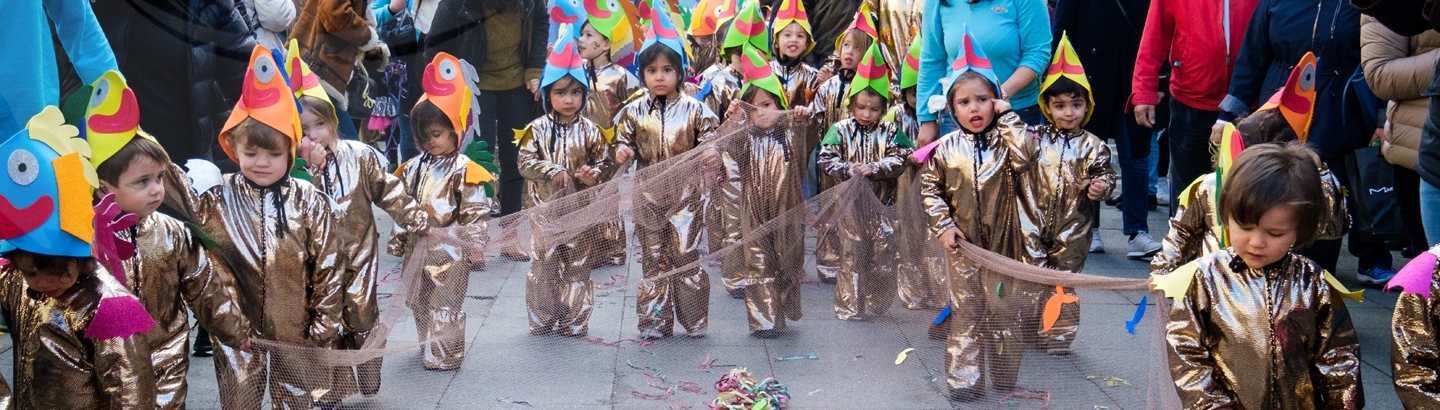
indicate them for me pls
(900, 358)
(602, 342)
(811, 356)
(1112, 381)
(507, 400)
(652, 354)
(1013, 399)
(813, 392)
(707, 363)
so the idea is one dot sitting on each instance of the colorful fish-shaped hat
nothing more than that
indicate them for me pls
(910, 67)
(303, 82)
(564, 60)
(758, 74)
(1296, 101)
(445, 86)
(793, 12)
(864, 21)
(567, 12)
(1066, 64)
(871, 74)
(662, 32)
(267, 97)
(709, 14)
(45, 202)
(971, 58)
(748, 27)
(112, 117)
(618, 21)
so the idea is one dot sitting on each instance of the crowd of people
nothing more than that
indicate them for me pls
(993, 120)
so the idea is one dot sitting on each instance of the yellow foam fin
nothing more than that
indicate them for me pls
(400, 170)
(608, 134)
(77, 217)
(522, 135)
(1175, 284)
(1358, 295)
(476, 174)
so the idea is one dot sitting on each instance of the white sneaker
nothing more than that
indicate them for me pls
(1097, 245)
(1142, 246)
(1162, 189)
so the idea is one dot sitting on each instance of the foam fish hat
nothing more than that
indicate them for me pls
(709, 14)
(45, 202)
(445, 86)
(567, 12)
(759, 75)
(748, 27)
(662, 32)
(112, 117)
(864, 21)
(1066, 64)
(303, 82)
(792, 12)
(871, 74)
(910, 68)
(1296, 101)
(972, 58)
(265, 95)
(1231, 144)
(619, 22)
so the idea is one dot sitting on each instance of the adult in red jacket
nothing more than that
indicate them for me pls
(1183, 33)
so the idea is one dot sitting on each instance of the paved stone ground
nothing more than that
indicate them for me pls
(507, 368)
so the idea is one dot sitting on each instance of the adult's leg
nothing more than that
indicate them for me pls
(502, 111)
(1407, 194)
(1189, 146)
(1134, 168)
(1430, 210)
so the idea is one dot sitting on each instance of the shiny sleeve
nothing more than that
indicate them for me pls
(472, 205)
(208, 287)
(1186, 235)
(832, 160)
(1415, 352)
(934, 192)
(1100, 167)
(388, 192)
(625, 128)
(1019, 141)
(602, 156)
(893, 164)
(532, 166)
(179, 195)
(327, 273)
(123, 372)
(1337, 358)
(706, 125)
(1196, 375)
(1336, 222)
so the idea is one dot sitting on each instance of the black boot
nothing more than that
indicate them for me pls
(202, 344)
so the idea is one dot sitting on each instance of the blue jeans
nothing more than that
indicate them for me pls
(1154, 164)
(1430, 211)
(1189, 147)
(1133, 169)
(406, 140)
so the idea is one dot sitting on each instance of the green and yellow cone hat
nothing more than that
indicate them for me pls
(910, 68)
(758, 74)
(871, 73)
(748, 28)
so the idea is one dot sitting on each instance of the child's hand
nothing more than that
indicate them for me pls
(1216, 131)
(801, 112)
(1150, 283)
(588, 175)
(560, 180)
(951, 239)
(313, 152)
(1001, 106)
(244, 345)
(859, 170)
(624, 155)
(733, 111)
(711, 159)
(1097, 189)
(825, 73)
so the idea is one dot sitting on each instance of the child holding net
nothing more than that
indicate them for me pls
(450, 188)
(610, 86)
(863, 146)
(658, 125)
(559, 152)
(354, 175)
(967, 185)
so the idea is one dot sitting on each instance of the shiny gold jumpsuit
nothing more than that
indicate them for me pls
(968, 184)
(1415, 347)
(56, 366)
(1277, 337)
(459, 212)
(668, 223)
(827, 108)
(290, 273)
(609, 90)
(559, 294)
(1194, 231)
(721, 222)
(771, 162)
(921, 272)
(865, 282)
(354, 177)
(1058, 216)
(799, 82)
(172, 275)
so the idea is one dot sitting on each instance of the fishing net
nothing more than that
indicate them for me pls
(563, 330)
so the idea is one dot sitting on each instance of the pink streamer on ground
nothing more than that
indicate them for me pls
(602, 342)
(1416, 276)
(119, 316)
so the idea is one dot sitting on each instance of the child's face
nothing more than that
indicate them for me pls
(566, 97)
(792, 41)
(52, 284)
(263, 166)
(442, 140)
(662, 77)
(592, 44)
(910, 97)
(1266, 242)
(1067, 110)
(850, 53)
(138, 190)
(973, 102)
(768, 112)
(867, 109)
(316, 128)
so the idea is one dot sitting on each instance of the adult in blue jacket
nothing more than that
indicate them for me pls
(1280, 33)
(30, 80)
(1015, 35)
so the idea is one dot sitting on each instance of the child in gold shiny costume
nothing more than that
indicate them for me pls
(610, 86)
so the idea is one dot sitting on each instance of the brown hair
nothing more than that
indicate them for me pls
(749, 96)
(861, 39)
(253, 133)
(1267, 176)
(110, 170)
(424, 115)
(884, 102)
(1265, 126)
(324, 109)
(51, 265)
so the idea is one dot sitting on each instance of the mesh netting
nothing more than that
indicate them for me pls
(563, 330)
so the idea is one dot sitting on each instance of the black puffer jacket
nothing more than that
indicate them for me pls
(185, 60)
